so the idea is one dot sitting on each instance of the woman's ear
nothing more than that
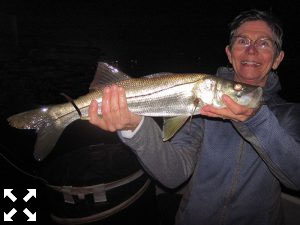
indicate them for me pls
(278, 60)
(228, 53)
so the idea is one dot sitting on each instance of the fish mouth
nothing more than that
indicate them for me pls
(252, 99)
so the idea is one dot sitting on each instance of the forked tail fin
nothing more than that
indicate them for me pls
(48, 128)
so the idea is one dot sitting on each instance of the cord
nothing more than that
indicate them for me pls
(19, 169)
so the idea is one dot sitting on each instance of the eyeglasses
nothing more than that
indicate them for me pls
(259, 44)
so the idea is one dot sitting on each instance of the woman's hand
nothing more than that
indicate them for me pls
(233, 111)
(115, 112)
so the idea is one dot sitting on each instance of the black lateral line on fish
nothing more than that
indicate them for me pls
(79, 112)
(163, 89)
(73, 103)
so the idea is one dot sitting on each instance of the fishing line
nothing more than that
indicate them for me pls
(19, 169)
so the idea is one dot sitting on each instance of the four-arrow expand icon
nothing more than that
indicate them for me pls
(8, 193)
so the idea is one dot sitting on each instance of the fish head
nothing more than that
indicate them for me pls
(204, 90)
(241, 93)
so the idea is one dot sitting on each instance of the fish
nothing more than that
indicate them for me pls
(173, 96)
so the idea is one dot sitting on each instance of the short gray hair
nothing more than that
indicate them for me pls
(254, 15)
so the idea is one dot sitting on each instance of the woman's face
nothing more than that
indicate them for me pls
(252, 54)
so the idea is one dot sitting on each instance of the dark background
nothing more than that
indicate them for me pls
(53, 46)
(48, 47)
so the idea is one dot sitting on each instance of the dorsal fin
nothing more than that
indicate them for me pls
(106, 75)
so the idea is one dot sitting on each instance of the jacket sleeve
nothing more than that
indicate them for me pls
(276, 138)
(171, 163)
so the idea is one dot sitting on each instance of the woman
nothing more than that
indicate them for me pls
(235, 165)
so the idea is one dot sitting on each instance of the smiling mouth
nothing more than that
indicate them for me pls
(250, 63)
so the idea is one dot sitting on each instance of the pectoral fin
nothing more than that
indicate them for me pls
(172, 125)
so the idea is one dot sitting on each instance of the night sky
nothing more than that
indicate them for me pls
(142, 29)
(162, 36)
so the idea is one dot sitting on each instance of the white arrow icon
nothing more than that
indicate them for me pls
(8, 216)
(7, 192)
(31, 216)
(31, 193)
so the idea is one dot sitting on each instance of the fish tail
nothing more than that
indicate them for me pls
(48, 127)
(33, 119)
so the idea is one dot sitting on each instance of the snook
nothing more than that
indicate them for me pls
(174, 96)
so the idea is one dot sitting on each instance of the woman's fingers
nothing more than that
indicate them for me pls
(94, 117)
(115, 112)
(233, 111)
(106, 109)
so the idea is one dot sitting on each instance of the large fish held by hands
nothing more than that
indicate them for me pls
(171, 95)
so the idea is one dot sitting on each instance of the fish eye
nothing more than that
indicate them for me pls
(237, 87)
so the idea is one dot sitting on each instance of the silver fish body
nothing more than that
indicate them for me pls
(176, 96)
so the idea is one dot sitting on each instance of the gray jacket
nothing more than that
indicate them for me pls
(235, 168)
